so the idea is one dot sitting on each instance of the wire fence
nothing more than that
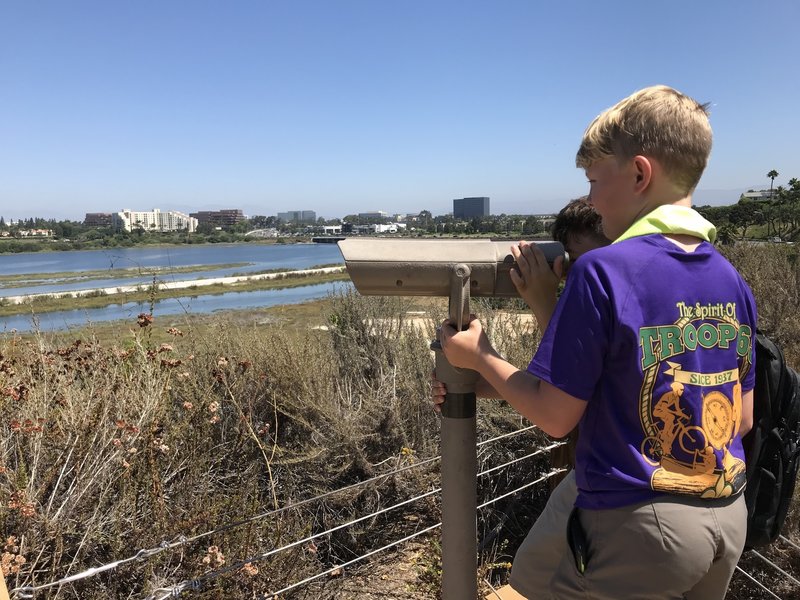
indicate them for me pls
(183, 540)
(199, 583)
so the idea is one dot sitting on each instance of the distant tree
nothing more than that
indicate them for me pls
(2, 223)
(424, 218)
(357, 220)
(205, 228)
(726, 234)
(718, 215)
(773, 216)
(744, 214)
(258, 222)
(790, 198)
(532, 225)
(772, 175)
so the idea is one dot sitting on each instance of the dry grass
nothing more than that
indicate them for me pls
(113, 444)
(773, 273)
(108, 448)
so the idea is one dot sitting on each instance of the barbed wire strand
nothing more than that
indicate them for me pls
(182, 540)
(521, 458)
(774, 566)
(273, 595)
(179, 587)
(757, 582)
(519, 489)
(408, 538)
(258, 557)
(509, 434)
(790, 542)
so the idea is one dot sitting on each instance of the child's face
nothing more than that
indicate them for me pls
(610, 193)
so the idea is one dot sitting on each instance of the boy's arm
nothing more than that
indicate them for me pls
(483, 389)
(536, 282)
(554, 411)
(747, 413)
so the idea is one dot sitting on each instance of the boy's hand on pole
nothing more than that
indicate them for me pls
(438, 391)
(465, 349)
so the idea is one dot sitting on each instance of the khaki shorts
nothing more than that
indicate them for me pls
(540, 553)
(670, 548)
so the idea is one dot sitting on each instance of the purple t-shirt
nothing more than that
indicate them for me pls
(659, 343)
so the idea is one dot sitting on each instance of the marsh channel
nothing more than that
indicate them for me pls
(48, 275)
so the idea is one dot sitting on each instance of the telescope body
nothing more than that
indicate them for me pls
(389, 267)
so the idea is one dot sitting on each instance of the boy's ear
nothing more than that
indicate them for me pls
(643, 171)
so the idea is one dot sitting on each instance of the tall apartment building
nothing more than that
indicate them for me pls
(221, 218)
(298, 216)
(467, 208)
(153, 220)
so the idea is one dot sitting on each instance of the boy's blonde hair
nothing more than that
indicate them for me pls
(657, 122)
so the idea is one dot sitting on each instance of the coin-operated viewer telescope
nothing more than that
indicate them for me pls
(456, 269)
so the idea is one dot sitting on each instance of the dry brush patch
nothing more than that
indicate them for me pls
(109, 448)
(773, 273)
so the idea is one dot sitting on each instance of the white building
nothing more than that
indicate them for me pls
(390, 228)
(153, 220)
(760, 195)
(378, 214)
(545, 220)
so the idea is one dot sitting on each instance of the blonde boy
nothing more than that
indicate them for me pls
(659, 514)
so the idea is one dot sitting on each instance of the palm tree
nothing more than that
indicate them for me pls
(772, 175)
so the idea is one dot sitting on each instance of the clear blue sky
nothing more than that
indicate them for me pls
(344, 106)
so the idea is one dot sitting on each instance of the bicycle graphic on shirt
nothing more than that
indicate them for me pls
(691, 439)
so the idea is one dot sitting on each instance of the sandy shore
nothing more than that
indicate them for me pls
(173, 285)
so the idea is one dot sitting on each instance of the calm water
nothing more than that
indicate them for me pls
(258, 257)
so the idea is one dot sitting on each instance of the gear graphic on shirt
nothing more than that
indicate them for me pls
(717, 419)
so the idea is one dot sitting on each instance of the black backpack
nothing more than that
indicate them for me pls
(772, 447)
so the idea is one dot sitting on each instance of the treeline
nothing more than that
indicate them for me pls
(73, 235)
(425, 222)
(777, 216)
(82, 237)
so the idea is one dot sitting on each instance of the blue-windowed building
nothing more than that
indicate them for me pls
(467, 208)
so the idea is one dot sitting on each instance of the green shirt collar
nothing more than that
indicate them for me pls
(672, 218)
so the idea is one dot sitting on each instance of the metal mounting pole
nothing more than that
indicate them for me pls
(459, 458)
